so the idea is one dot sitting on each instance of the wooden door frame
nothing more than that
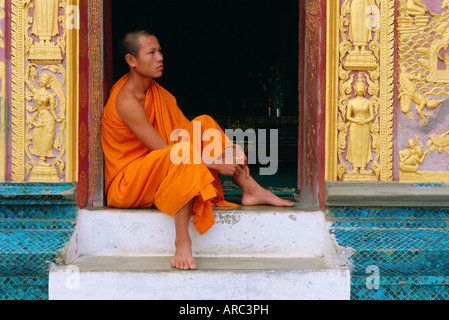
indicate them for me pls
(96, 81)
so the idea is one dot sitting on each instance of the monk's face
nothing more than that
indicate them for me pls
(148, 62)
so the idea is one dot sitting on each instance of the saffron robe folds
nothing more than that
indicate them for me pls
(136, 177)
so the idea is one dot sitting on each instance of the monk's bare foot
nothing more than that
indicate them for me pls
(263, 196)
(183, 258)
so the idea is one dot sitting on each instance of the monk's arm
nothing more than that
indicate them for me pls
(133, 114)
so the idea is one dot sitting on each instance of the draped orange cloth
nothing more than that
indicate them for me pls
(136, 177)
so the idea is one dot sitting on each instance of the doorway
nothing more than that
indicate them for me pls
(235, 60)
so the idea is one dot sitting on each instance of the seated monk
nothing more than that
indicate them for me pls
(138, 121)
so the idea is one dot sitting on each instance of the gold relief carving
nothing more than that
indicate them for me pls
(439, 143)
(18, 90)
(42, 122)
(360, 114)
(412, 157)
(423, 65)
(422, 81)
(360, 86)
(361, 25)
(45, 25)
(44, 92)
(408, 94)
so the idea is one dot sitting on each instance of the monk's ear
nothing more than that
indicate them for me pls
(131, 60)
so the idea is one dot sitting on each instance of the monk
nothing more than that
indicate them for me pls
(138, 123)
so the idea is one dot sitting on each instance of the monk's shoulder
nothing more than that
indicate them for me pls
(125, 95)
(126, 100)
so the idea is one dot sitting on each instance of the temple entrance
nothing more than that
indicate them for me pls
(235, 60)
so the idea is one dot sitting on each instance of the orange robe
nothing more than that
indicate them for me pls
(136, 177)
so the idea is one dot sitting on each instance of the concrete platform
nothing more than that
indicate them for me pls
(259, 231)
(93, 277)
(259, 252)
(390, 194)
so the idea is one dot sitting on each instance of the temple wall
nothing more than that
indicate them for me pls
(52, 93)
(373, 79)
(387, 109)
(43, 98)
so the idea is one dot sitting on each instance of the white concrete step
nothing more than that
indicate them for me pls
(260, 231)
(139, 278)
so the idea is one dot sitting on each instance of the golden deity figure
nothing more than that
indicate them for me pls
(43, 135)
(45, 26)
(359, 30)
(415, 8)
(408, 94)
(360, 34)
(360, 114)
(412, 157)
(412, 17)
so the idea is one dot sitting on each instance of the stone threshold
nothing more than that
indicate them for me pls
(240, 209)
(162, 264)
(30, 193)
(387, 194)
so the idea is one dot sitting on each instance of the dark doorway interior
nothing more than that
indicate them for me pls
(234, 60)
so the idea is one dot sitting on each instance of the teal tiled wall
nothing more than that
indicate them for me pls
(36, 220)
(409, 248)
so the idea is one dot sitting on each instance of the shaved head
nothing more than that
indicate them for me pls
(131, 44)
